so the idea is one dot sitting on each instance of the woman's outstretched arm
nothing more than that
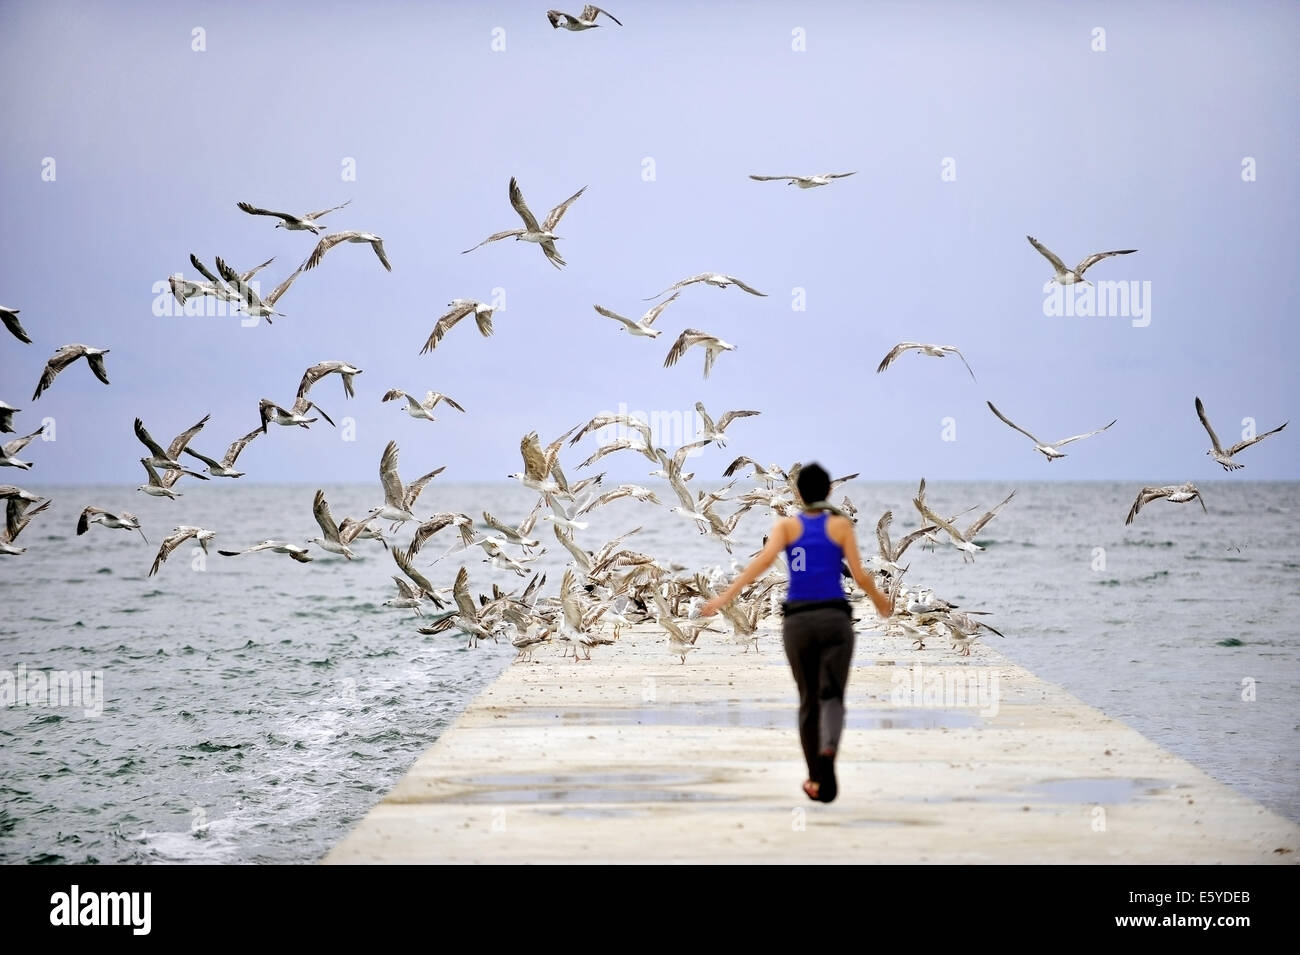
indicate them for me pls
(841, 531)
(763, 560)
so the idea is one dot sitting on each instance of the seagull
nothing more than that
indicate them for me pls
(515, 535)
(544, 234)
(460, 307)
(226, 467)
(680, 642)
(964, 542)
(641, 328)
(584, 21)
(333, 541)
(7, 451)
(271, 413)
(169, 459)
(250, 301)
(123, 520)
(713, 346)
(319, 370)
(805, 182)
(160, 486)
(891, 553)
(216, 287)
(403, 560)
(714, 433)
(7, 412)
(716, 279)
(466, 617)
(634, 491)
(10, 317)
(334, 238)
(408, 597)
(1174, 493)
(64, 357)
(179, 536)
(279, 547)
(1048, 451)
(351, 529)
(421, 409)
(542, 468)
(964, 631)
(398, 499)
(934, 351)
(1066, 276)
(292, 222)
(17, 517)
(1217, 452)
(462, 522)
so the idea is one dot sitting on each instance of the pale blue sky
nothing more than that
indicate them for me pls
(1139, 146)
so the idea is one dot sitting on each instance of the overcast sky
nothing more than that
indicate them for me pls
(1140, 145)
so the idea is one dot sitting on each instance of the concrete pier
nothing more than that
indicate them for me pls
(634, 757)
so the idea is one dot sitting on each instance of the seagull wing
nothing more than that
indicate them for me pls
(60, 360)
(403, 560)
(317, 215)
(378, 245)
(389, 478)
(739, 284)
(237, 446)
(324, 245)
(1200, 413)
(1080, 437)
(1007, 421)
(181, 440)
(320, 509)
(444, 324)
(955, 351)
(496, 236)
(882, 535)
(521, 207)
(416, 487)
(772, 178)
(202, 457)
(978, 525)
(1097, 257)
(614, 315)
(147, 440)
(555, 215)
(10, 318)
(590, 10)
(535, 463)
(1242, 445)
(649, 318)
(685, 340)
(280, 289)
(253, 210)
(731, 416)
(245, 276)
(682, 284)
(894, 353)
(460, 592)
(1047, 254)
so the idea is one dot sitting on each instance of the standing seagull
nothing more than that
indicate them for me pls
(398, 498)
(1174, 493)
(713, 346)
(1047, 450)
(226, 467)
(934, 351)
(1225, 457)
(716, 279)
(334, 238)
(805, 182)
(640, 329)
(64, 357)
(421, 409)
(292, 222)
(460, 307)
(1072, 276)
(9, 449)
(544, 235)
(125, 520)
(10, 317)
(584, 21)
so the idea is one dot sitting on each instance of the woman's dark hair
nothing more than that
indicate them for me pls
(813, 483)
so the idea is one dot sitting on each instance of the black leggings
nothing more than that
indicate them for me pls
(819, 646)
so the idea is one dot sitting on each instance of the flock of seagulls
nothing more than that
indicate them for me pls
(606, 586)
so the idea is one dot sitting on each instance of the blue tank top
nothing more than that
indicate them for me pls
(814, 561)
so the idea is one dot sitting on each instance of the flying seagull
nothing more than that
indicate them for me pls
(64, 357)
(1066, 276)
(1048, 451)
(934, 351)
(169, 459)
(460, 307)
(1173, 493)
(421, 409)
(7, 412)
(123, 520)
(584, 21)
(333, 541)
(292, 222)
(713, 346)
(249, 300)
(398, 498)
(278, 547)
(226, 466)
(716, 279)
(805, 182)
(179, 536)
(10, 317)
(544, 235)
(641, 328)
(319, 370)
(334, 238)
(1225, 457)
(17, 517)
(715, 432)
(271, 413)
(11, 448)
